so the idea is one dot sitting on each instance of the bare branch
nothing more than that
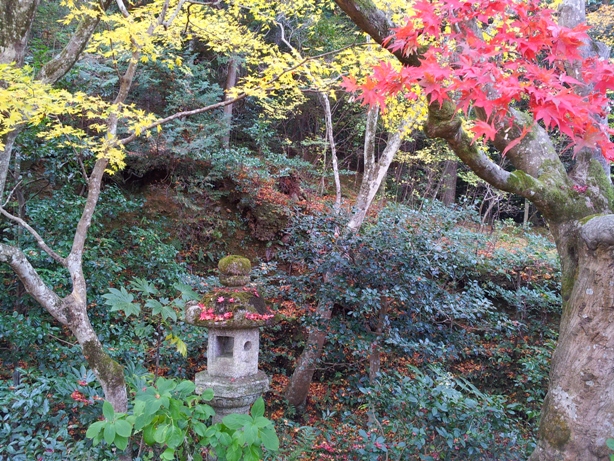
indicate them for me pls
(32, 282)
(8, 198)
(174, 15)
(39, 240)
(122, 8)
(185, 113)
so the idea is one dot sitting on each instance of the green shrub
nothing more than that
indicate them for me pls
(431, 415)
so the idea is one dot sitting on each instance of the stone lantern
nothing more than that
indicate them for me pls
(233, 314)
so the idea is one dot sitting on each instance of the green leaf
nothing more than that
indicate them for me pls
(204, 412)
(165, 385)
(253, 454)
(269, 438)
(109, 433)
(185, 388)
(97, 439)
(207, 395)
(160, 433)
(107, 411)
(610, 443)
(169, 313)
(250, 433)
(177, 409)
(199, 428)
(123, 428)
(141, 421)
(155, 306)
(175, 437)
(148, 435)
(186, 292)
(94, 429)
(168, 454)
(236, 421)
(258, 408)
(234, 453)
(121, 300)
(261, 422)
(121, 442)
(225, 438)
(143, 286)
(139, 407)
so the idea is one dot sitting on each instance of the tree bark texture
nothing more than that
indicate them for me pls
(16, 18)
(298, 386)
(372, 179)
(447, 193)
(578, 412)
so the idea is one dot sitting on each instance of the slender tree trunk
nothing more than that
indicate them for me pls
(298, 387)
(375, 350)
(375, 355)
(330, 137)
(373, 179)
(231, 81)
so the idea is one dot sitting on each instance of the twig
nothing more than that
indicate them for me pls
(61, 340)
(8, 199)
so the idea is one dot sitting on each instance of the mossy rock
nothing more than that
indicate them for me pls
(234, 271)
(234, 265)
(267, 220)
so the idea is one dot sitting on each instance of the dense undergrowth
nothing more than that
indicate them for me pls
(462, 322)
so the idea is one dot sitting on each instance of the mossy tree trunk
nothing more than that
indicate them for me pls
(578, 412)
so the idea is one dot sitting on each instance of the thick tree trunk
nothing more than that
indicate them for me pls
(16, 17)
(578, 412)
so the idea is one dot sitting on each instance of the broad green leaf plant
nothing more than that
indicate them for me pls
(170, 417)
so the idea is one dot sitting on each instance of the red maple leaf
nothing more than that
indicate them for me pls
(481, 128)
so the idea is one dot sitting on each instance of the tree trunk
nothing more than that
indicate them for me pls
(447, 193)
(578, 411)
(231, 81)
(330, 137)
(374, 174)
(298, 387)
(16, 17)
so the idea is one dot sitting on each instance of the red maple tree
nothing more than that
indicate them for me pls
(494, 54)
